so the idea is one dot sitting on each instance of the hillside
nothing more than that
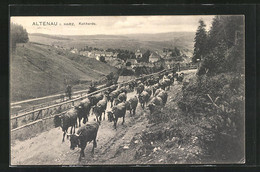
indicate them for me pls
(38, 70)
(48, 36)
(155, 42)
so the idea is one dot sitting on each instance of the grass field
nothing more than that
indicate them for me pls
(38, 70)
(154, 42)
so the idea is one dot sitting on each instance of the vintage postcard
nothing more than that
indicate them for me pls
(127, 90)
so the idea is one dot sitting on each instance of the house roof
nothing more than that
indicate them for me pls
(154, 56)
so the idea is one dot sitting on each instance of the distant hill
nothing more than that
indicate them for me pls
(182, 40)
(161, 36)
(38, 70)
(99, 36)
(49, 36)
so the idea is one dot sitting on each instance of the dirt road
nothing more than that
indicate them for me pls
(47, 148)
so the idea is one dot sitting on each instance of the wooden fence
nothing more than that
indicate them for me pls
(77, 93)
(26, 124)
(188, 66)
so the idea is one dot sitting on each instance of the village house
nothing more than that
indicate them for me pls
(102, 54)
(92, 56)
(75, 51)
(108, 54)
(138, 54)
(98, 58)
(85, 53)
(154, 57)
(96, 53)
(109, 58)
(115, 55)
(132, 61)
(169, 63)
(164, 54)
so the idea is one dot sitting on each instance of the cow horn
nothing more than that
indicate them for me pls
(78, 134)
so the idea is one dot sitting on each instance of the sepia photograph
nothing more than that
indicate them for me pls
(127, 90)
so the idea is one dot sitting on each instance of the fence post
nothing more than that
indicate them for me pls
(40, 112)
(47, 113)
(15, 125)
(59, 109)
(33, 113)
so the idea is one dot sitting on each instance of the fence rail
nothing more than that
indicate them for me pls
(42, 106)
(51, 96)
(79, 93)
(28, 118)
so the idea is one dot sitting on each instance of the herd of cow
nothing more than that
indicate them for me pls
(150, 92)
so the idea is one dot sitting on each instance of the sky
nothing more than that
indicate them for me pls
(112, 25)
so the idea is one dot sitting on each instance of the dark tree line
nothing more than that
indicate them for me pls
(125, 54)
(145, 57)
(122, 54)
(222, 47)
(173, 52)
(18, 34)
(216, 97)
(88, 48)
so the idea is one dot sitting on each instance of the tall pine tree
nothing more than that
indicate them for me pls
(225, 48)
(200, 42)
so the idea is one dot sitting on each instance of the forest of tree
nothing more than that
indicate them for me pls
(214, 100)
(222, 47)
(87, 48)
(145, 57)
(17, 35)
(125, 54)
(173, 52)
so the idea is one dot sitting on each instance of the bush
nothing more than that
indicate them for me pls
(126, 72)
(17, 35)
(216, 103)
(212, 64)
(159, 116)
(102, 59)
